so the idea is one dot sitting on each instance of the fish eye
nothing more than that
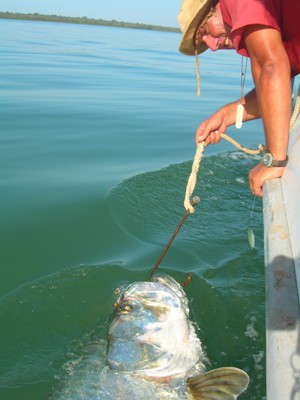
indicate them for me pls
(123, 307)
(126, 309)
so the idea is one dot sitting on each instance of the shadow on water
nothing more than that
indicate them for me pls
(283, 326)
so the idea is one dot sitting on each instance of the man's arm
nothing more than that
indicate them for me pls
(271, 74)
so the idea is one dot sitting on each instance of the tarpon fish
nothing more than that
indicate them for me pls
(153, 353)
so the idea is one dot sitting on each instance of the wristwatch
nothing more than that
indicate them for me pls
(269, 161)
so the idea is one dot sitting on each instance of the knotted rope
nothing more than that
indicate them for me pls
(193, 177)
(196, 164)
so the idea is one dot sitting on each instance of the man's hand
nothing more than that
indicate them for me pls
(259, 174)
(210, 129)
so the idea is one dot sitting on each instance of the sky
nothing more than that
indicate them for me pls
(154, 12)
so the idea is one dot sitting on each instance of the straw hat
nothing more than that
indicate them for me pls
(191, 15)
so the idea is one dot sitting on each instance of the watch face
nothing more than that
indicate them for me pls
(268, 160)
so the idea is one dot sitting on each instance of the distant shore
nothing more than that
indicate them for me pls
(85, 21)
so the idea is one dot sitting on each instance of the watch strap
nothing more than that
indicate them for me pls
(280, 163)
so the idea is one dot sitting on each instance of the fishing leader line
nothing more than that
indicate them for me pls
(195, 200)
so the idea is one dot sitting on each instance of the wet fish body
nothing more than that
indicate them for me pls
(153, 353)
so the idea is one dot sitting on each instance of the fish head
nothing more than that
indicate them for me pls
(150, 333)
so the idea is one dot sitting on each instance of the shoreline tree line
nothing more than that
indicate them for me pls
(85, 21)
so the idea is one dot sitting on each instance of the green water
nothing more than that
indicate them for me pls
(96, 145)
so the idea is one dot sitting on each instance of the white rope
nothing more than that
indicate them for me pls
(196, 164)
(260, 147)
(193, 177)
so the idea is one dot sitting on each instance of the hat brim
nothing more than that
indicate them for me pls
(187, 45)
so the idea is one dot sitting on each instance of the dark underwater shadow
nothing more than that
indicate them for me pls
(283, 324)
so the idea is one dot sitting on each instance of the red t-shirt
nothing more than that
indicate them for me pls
(282, 15)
